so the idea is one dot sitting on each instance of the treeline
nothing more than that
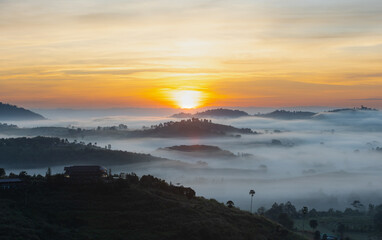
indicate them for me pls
(287, 213)
(121, 180)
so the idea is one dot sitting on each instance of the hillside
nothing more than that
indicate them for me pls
(362, 108)
(193, 128)
(213, 113)
(185, 128)
(287, 115)
(200, 150)
(130, 209)
(41, 152)
(10, 112)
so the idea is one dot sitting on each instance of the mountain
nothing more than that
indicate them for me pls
(133, 208)
(10, 112)
(287, 115)
(213, 113)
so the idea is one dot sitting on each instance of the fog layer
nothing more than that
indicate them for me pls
(328, 161)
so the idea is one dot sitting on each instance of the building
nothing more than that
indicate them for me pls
(8, 183)
(85, 173)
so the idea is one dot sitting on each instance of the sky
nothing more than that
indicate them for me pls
(162, 53)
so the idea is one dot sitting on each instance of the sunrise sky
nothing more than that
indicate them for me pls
(114, 53)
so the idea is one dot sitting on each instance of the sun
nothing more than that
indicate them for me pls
(187, 99)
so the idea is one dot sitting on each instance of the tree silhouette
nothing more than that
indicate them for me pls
(261, 211)
(341, 230)
(317, 235)
(378, 219)
(304, 212)
(285, 220)
(230, 204)
(252, 192)
(48, 172)
(313, 224)
(2, 172)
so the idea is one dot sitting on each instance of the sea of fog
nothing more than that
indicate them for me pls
(327, 162)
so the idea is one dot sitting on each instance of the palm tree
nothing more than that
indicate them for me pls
(251, 192)
(230, 204)
(304, 212)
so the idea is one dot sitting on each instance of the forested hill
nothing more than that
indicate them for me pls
(131, 208)
(213, 113)
(287, 115)
(9, 112)
(43, 152)
(185, 128)
(193, 128)
(200, 150)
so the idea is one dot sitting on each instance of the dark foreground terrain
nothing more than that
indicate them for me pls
(146, 208)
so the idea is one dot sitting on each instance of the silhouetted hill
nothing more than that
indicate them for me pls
(10, 112)
(213, 113)
(134, 209)
(362, 108)
(193, 128)
(185, 128)
(287, 115)
(200, 150)
(41, 152)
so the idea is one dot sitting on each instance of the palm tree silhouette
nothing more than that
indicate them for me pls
(251, 192)
(304, 212)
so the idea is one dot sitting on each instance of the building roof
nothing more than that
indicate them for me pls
(10, 180)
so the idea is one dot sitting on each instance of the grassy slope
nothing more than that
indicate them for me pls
(125, 212)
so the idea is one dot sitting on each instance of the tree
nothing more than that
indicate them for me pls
(2, 172)
(230, 204)
(48, 173)
(304, 212)
(252, 192)
(358, 205)
(341, 230)
(313, 224)
(23, 174)
(317, 235)
(378, 218)
(284, 220)
(261, 211)
(371, 209)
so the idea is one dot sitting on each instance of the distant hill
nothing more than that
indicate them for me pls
(193, 128)
(185, 128)
(132, 208)
(200, 151)
(362, 108)
(10, 112)
(287, 115)
(41, 152)
(214, 113)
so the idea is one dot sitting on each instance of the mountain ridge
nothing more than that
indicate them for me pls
(10, 112)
